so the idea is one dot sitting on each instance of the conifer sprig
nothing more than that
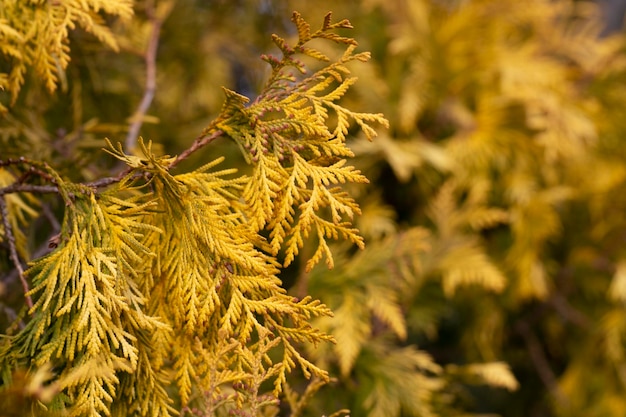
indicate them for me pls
(35, 35)
(87, 304)
(210, 278)
(298, 155)
(154, 271)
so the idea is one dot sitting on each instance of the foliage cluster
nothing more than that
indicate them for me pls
(495, 233)
(492, 279)
(158, 282)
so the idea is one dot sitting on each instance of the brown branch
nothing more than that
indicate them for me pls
(105, 182)
(8, 231)
(33, 169)
(198, 143)
(38, 253)
(540, 362)
(569, 313)
(12, 161)
(28, 188)
(150, 89)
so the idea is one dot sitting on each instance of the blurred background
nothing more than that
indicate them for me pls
(494, 277)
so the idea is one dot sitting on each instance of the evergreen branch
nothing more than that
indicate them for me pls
(144, 243)
(8, 231)
(144, 389)
(200, 142)
(285, 135)
(34, 168)
(105, 182)
(87, 286)
(39, 38)
(297, 403)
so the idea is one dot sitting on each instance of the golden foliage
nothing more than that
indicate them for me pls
(506, 149)
(298, 158)
(157, 276)
(496, 231)
(35, 34)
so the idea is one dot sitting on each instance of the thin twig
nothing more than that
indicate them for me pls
(49, 215)
(198, 143)
(28, 188)
(148, 95)
(104, 182)
(38, 253)
(8, 231)
(569, 313)
(540, 361)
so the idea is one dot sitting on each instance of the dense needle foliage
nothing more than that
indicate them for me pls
(158, 280)
(468, 260)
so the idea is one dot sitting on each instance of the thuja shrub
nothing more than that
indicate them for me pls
(154, 290)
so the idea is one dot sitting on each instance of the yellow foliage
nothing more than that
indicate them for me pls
(35, 34)
(158, 275)
(496, 231)
(297, 157)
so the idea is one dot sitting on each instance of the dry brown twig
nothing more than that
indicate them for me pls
(8, 231)
(150, 89)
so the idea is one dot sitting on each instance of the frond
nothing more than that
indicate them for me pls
(234, 374)
(297, 155)
(209, 274)
(399, 380)
(377, 220)
(534, 221)
(352, 330)
(365, 292)
(185, 370)
(143, 393)
(404, 157)
(384, 303)
(312, 201)
(84, 294)
(262, 191)
(37, 37)
(466, 264)
(495, 374)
